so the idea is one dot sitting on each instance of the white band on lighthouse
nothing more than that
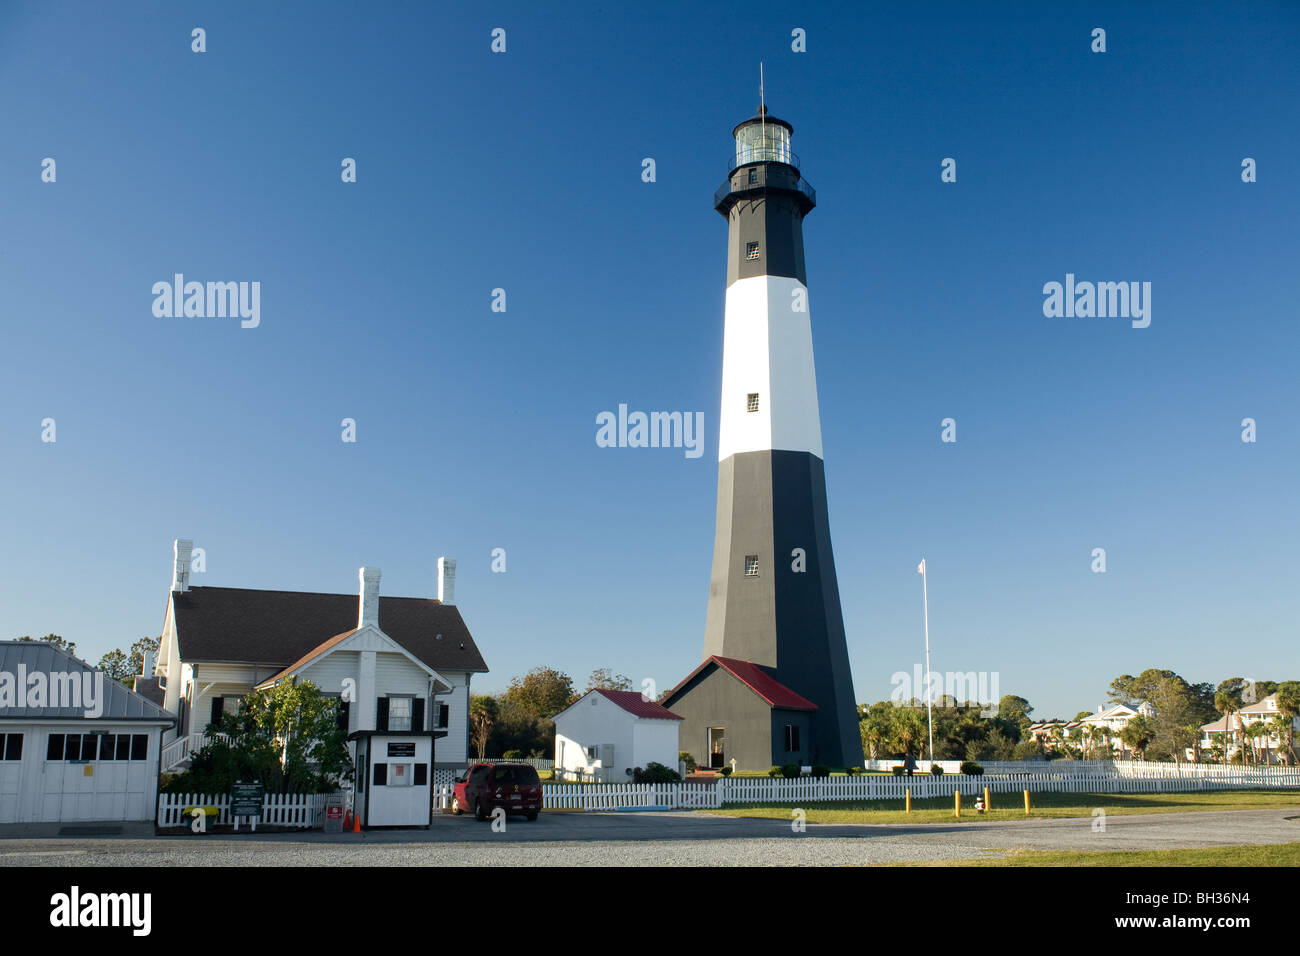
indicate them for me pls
(767, 351)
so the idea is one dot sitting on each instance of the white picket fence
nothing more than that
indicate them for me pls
(308, 810)
(305, 810)
(1127, 778)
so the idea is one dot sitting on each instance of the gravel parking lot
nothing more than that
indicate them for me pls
(653, 839)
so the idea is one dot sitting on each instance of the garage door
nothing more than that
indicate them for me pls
(106, 775)
(11, 774)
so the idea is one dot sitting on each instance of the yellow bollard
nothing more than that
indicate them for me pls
(988, 805)
(909, 800)
(1026, 803)
(956, 806)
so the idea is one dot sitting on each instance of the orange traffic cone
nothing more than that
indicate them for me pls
(347, 822)
(356, 823)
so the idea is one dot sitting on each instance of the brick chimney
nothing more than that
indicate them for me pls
(447, 580)
(182, 548)
(368, 610)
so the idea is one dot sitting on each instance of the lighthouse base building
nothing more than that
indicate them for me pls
(774, 686)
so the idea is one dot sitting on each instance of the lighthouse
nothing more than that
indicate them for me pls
(774, 623)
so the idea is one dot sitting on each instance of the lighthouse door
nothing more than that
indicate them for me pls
(717, 754)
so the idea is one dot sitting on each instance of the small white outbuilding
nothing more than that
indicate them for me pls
(606, 733)
(75, 745)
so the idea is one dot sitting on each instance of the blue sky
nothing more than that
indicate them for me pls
(476, 430)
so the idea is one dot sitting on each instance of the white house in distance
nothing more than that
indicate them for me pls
(410, 659)
(75, 745)
(1263, 711)
(1111, 719)
(606, 733)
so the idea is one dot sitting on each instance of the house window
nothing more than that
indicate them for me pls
(444, 716)
(751, 565)
(751, 250)
(751, 403)
(11, 746)
(399, 713)
(791, 738)
(753, 175)
(344, 715)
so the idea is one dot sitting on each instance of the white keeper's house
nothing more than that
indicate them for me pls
(75, 745)
(406, 662)
(605, 734)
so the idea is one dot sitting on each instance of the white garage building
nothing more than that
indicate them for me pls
(605, 734)
(75, 745)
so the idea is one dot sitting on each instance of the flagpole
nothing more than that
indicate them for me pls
(929, 701)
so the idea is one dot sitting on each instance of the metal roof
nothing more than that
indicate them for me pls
(111, 701)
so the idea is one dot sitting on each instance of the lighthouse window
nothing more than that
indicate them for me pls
(751, 565)
(752, 404)
(751, 250)
(753, 175)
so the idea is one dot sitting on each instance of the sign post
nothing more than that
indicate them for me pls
(246, 800)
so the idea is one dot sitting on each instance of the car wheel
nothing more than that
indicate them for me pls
(532, 815)
(456, 808)
(480, 811)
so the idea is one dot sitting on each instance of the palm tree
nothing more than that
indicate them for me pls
(1280, 727)
(1288, 703)
(1138, 734)
(1254, 733)
(1227, 701)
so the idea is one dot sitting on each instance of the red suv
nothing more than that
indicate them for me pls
(515, 787)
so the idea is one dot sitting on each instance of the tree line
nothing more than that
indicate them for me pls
(968, 731)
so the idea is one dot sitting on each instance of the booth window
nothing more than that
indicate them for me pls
(421, 774)
(381, 775)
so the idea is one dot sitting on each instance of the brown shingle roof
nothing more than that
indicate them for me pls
(280, 627)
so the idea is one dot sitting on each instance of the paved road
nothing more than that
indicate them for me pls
(657, 839)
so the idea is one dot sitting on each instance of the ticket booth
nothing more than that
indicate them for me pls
(394, 777)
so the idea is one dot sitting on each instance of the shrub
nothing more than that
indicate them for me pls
(688, 760)
(936, 770)
(852, 770)
(971, 768)
(655, 773)
(725, 771)
(774, 771)
(790, 771)
(820, 771)
(897, 771)
(511, 755)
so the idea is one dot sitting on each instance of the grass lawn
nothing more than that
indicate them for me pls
(1281, 854)
(1008, 806)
